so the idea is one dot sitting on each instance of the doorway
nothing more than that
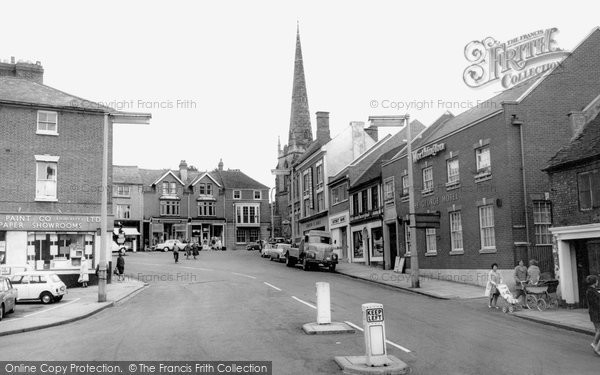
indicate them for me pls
(587, 256)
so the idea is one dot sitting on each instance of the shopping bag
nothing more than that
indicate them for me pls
(488, 289)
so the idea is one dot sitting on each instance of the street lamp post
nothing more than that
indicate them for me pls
(272, 217)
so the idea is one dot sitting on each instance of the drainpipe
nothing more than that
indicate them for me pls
(515, 121)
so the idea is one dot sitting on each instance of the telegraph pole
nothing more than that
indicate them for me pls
(414, 256)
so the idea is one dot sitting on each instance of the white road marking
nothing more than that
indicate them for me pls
(197, 268)
(304, 302)
(387, 341)
(52, 308)
(241, 274)
(272, 286)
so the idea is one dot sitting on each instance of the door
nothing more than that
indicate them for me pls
(21, 283)
(344, 242)
(393, 244)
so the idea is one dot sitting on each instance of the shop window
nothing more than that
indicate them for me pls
(588, 186)
(377, 242)
(123, 211)
(456, 238)
(47, 123)
(431, 241)
(2, 247)
(46, 180)
(486, 227)
(542, 220)
(357, 242)
(47, 251)
(427, 180)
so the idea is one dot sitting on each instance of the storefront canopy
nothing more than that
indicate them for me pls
(127, 231)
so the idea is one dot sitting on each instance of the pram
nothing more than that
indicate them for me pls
(510, 303)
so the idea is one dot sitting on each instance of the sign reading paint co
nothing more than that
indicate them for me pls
(49, 222)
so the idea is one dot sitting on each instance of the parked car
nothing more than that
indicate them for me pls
(115, 247)
(47, 287)
(277, 240)
(314, 250)
(8, 296)
(168, 245)
(278, 252)
(256, 245)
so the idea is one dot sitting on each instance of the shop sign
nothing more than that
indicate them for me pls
(49, 222)
(338, 221)
(428, 151)
(313, 224)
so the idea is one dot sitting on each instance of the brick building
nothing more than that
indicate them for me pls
(575, 193)
(128, 205)
(482, 172)
(226, 206)
(51, 180)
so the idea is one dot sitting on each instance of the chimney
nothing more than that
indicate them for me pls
(323, 134)
(358, 138)
(577, 123)
(373, 132)
(220, 164)
(22, 69)
(183, 171)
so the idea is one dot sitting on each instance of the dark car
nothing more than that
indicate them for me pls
(256, 245)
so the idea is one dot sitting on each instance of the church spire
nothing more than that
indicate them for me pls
(300, 130)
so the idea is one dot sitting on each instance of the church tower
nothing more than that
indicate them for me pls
(299, 138)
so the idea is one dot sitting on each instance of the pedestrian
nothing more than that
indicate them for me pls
(520, 278)
(121, 267)
(176, 252)
(593, 299)
(195, 249)
(494, 278)
(219, 244)
(84, 277)
(533, 272)
(188, 250)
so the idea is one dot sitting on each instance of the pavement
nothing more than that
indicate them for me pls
(576, 320)
(78, 303)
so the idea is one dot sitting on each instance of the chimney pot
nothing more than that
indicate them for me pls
(323, 133)
(183, 171)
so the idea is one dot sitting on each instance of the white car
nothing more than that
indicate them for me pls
(168, 245)
(47, 287)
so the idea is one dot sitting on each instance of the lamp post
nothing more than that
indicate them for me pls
(115, 118)
(272, 217)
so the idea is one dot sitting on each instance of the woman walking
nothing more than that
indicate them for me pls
(593, 300)
(84, 277)
(494, 278)
(121, 267)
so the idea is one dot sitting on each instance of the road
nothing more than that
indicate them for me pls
(234, 305)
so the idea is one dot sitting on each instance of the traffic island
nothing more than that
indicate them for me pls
(358, 365)
(326, 329)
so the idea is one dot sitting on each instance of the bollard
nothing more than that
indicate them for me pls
(323, 303)
(374, 327)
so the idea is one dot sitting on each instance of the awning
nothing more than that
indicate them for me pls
(127, 231)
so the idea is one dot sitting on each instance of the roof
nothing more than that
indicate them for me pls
(313, 147)
(126, 175)
(24, 91)
(374, 171)
(236, 179)
(583, 147)
(169, 172)
(201, 176)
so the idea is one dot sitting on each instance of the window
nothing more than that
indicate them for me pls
(405, 185)
(240, 235)
(363, 201)
(45, 187)
(358, 246)
(320, 202)
(453, 171)
(431, 240)
(206, 208)
(47, 122)
(374, 198)
(542, 220)
(588, 186)
(407, 241)
(355, 208)
(319, 170)
(169, 208)
(169, 188)
(339, 194)
(257, 195)
(306, 207)
(205, 189)
(237, 194)
(172, 188)
(377, 242)
(248, 214)
(123, 190)
(456, 239)
(486, 227)
(123, 211)
(484, 165)
(165, 188)
(427, 180)
(388, 190)
(306, 183)
(254, 235)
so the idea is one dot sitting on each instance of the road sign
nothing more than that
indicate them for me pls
(374, 315)
(427, 220)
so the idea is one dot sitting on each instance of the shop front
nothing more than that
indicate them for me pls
(367, 243)
(577, 249)
(208, 233)
(49, 242)
(130, 237)
(166, 229)
(338, 225)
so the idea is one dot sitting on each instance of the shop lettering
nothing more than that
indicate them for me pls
(338, 220)
(33, 222)
(428, 151)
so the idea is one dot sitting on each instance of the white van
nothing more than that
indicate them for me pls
(47, 287)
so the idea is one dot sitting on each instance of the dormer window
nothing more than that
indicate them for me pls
(47, 123)
(169, 188)
(205, 189)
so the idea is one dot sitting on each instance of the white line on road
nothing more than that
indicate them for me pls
(304, 302)
(52, 308)
(272, 286)
(197, 268)
(388, 341)
(241, 274)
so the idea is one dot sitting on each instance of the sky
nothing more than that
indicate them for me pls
(217, 76)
